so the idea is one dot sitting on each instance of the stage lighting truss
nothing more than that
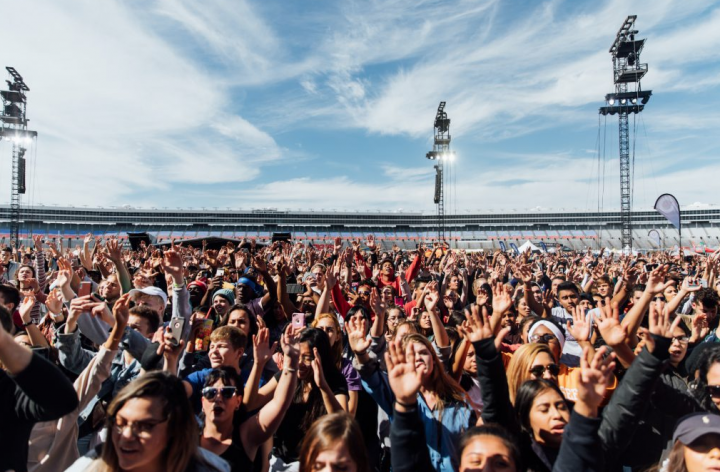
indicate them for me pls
(443, 156)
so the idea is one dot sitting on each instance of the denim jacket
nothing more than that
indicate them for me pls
(442, 433)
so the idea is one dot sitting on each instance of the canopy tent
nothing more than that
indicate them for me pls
(528, 246)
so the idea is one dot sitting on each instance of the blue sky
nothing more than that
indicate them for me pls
(330, 105)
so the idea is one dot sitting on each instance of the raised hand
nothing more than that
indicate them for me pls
(173, 265)
(370, 242)
(691, 284)
(337, 244)
(25, 309)
(357, 335)
(659, 322)
(290, 343)
(113, 251)
(432, 296)
(121, 310)
(405, 379)
(608, 323)
(259, 264)
(580, 328)
(700, 328)
(262, 349)
(656, 280)
(502, 298)
(54, 302)
(594, 379)
(476, 325)
(38, 241)
(318, 374)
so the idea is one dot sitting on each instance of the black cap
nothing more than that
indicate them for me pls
(695, 425)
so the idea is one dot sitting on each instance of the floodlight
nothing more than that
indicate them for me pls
(633, 100)
(611, 101)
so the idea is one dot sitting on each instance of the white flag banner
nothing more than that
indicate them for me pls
(668, 206)
(654, 236)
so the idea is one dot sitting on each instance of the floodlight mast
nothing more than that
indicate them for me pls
(440, 152)
(13, 127)
(627, 69)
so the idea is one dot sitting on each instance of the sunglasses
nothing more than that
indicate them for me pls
(659, 299)
(542, 338)
(539, 370)
(363, 292)
(211, 392)
(713, 390)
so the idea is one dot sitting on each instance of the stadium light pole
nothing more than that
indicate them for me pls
(13, 127)
(627, 69)
(441, 153)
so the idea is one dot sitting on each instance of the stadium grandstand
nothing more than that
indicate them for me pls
(577, 230)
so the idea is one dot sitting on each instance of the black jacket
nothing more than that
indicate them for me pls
(580, 450)
(619, 418)
(39, 393)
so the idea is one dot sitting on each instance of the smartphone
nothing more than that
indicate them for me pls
(399, 301)
(295, 288)
(41, 351)
(298, 320)
(97, 297)
(176, 329)
(220, 273)
(85, 289)
(650, 267)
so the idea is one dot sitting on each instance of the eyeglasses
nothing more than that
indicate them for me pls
(539, 370)
(659, 299)
(211, 392)
(681, 339)
(713, 390)
(542, 338)
(141, 429)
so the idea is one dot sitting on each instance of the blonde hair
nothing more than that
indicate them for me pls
(441, 384)
(337, 348)
(518, 370)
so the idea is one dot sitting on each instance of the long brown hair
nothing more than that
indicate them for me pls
(442, 385)
(518, 370)
(675, 461)
(327, 432)
(182, 444)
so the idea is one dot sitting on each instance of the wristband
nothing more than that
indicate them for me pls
(25, 325)
(289, 369)
(406, 405)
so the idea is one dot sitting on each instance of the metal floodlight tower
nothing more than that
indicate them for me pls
(13, 127)
(440, 152)
(627, 69)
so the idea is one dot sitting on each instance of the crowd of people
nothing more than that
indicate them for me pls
(356, 357)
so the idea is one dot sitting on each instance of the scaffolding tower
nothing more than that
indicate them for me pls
(441, 153)
(627, 73)
(13, 127)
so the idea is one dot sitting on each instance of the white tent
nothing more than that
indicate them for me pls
(528, 246)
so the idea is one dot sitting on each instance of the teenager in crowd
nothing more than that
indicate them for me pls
(334, 443)
(151, 427)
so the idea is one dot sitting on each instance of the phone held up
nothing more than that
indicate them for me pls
(176, 329)
(298, 320)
